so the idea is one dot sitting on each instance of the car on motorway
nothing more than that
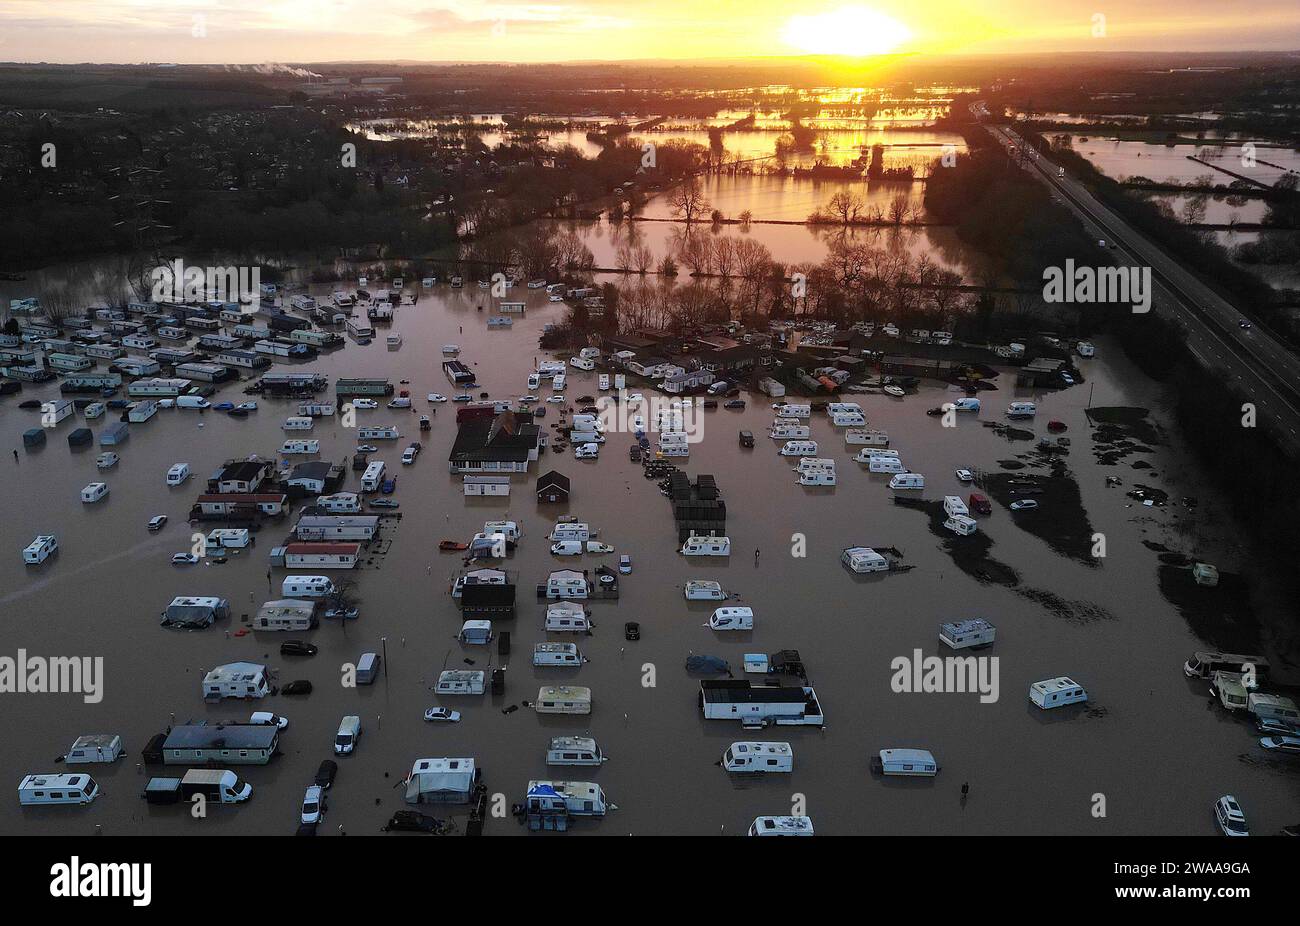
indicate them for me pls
(1243, 324)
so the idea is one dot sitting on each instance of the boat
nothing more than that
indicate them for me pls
(449, 546)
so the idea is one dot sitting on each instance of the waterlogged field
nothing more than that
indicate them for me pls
(1148, 753)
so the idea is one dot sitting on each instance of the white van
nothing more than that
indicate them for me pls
(558, 383)
(907, 481)
(799, 448)
(1056, 692)
(1021, 410)
(192, 401)
(703, 590)
(966, 405)
(758, 757)
(567, 548)
(461, 682)
(557, 654)
(706, 546)
(732, 619)
(345, 740)
(290, 447)
(373, 477)
(94, 492)
(848, 420)
(789, 432)
(40, 549)
(534, 381)
(885, 465)
(57, 789)
(298, 423)
(178, 473)
(306, 587)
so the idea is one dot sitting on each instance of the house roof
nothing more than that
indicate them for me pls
(553, 479)
(221, 736)
(243, 471)
(322, 548)
(314, 469)
(508, 437)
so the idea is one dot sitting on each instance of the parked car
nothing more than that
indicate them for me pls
(326, 772)
(224, 406)
(157, 521)
(441, 715)
(1024, 504)
(367, 448)
(462, 397)
(383, 503)
(412, 821)
(625, 564)
(734, 403)
(388, 486)
(631, 631)
(747, 438)
(297, 687)
(364, 403)
(246, 407)
(313, 804)
(345, 614)
(965, 475)
(437, 397)
(1287, 745)
(106, 460)
(555, 399)
(297, 648)
(1230, 817)
(266, 717)
(184, 559)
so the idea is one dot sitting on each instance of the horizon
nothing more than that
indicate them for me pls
(249, 32)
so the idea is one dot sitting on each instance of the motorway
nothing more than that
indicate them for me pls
(1255, 362)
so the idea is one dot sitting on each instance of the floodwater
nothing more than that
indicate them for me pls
(1148, 741)
(1261, 161)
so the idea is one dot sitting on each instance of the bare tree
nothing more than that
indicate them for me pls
(687, 201)
(846, 207)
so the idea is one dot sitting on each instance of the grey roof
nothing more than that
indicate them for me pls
(222, 736)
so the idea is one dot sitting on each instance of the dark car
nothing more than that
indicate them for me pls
(388, 487)
(747, 438)
(735, 403)
(325, 774)
(631, 631)
(411, 821)
(634, 453)
(297, 648)
(298, 687)
(710, 403)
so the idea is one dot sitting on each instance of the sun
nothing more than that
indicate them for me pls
(855, 31)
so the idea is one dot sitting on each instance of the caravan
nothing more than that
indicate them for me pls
(799, 448)
(292, 447)
(848, 420)
(879, 464)
(905, 762)
(563, 699)
(781, 430)
(298, 423)
(786, 410)
(178, 473)
(758, 757)
(566, 617)
(706, 546)
(557, 654)
(461, 682)
(1021, 410)
(975, 633)
(1056, 692)
(574, 750)
(817, 476)
(907, 481)
(40, 549)
(57, 789)
(732, 619)
(703, 590)
(306, 587)
(373, 477)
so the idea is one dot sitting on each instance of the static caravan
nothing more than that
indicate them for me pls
(224, 743)
(193, 613)
(571, 530)
(382, 432)
(975, 633)
(223, 538)
(848, 420)
(1056, 692)
(786, 410)
(292, 447)
(905, 762)
(563, 699)
(566, 617)
(864, 559)
(95, 747)
(236, 680)
(340, 503)
(799, 448)
(69, 363)
(789, 432)
(316, 409)
(298, 423)
(706, 546)
(142, 411)
(486, 485)
(758, 757)
(757, 705)
(372, 477)
(55, 411)
(306, 587)
(57, 789)
(286, 614)
(732, 619)
(557, 654)
(461, 682)
(703, 590)
(136, 367)
(1021, 410)
(817, 477)
(40, 549)
(574, 750)
(907, 481)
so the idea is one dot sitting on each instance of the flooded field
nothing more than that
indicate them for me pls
(1148, 740)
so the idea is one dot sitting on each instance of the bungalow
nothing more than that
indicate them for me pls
(336, 555)
(157, 386)
(553, 487)
(241, 476)
(221, 744)
(310, 477)
(506, 443)
(246, 359)
(724, 356)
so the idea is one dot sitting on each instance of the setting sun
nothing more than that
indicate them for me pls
(855, 31)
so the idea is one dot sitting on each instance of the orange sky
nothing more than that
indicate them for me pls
(252, 31)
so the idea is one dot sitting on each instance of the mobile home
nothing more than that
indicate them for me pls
(372, 477)
(905, 762)
(1056, 692)
(236, 680)
(461, 681)
(703, 590)
(286, 614)
(95, 747)
(566, 617)
(306, 587)
(758, 705)
(193, 613)
(557, 654)
(864, 559)
(907, 481)
(968, 634)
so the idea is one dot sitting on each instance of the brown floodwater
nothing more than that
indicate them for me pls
(1147, 741)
